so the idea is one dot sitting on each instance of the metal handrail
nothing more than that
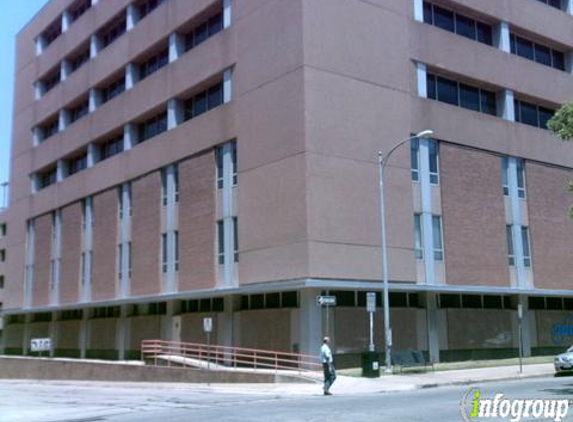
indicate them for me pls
(230, 357)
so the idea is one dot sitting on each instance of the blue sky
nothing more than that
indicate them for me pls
(14, 14)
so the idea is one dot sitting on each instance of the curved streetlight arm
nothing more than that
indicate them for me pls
(383, 159)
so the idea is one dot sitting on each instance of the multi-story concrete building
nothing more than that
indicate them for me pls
(176, 159)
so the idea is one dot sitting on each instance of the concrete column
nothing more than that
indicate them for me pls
(129, 136)
(40, 44)
(170, 227)
(39, 90)
(62, 170)
(176, 46)
(125, 232)
(65, 70)
(132, 16)
(167, 320)
(26, 335)
(227, 13)
(526, 326)
(421, 73)
(122, 336)
(84, 334)
(432, 324)
(95, 45)
(63, 120)
(131, 75)
(310, 322)
(225, 319)
(569, 7)
(427, 226)
(227, 211)
(501, 37)
(92, 155)
(505, 106)
(94, 99)
(516, 222)
(66, 21)
(54, 333)
(419, 10)
(227, 86)
(37, 136)
(174, 113)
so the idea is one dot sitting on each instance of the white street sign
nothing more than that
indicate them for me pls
(326, 300)
(208, 324)
(371, 302)
(40, 344)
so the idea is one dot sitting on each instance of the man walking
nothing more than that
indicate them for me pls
(327, 366)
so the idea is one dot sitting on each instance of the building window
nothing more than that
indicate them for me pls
(419, 239)
(552, 3)
(510, 248)
(457, 23)
(153, 64)
(460, 94)
(152, 127)
(2, 255)
(220, 242)
(526, 251)
(176, 182)
(79, 111)
(47, 178)
(80, 59)
(113, 30)
(78, 9)
(51, 80)
(532, 114)
(77, 164)
(52, 32)
(220, 163)
(113, 90)
(164, 187)
(49, 129)
(433, 159)
(204, 101)
(537, 52)
(164, 253)
(110, 148)
(203, 31)
(520, 176)
(146, 7)
(176, 250)
(119, 261)
(3, 229)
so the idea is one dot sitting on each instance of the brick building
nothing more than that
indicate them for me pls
(176, 159)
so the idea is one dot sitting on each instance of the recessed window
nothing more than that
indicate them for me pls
(79, 111)
(153, 64)
(146, 7)
(204, 101)
(77, 164)
(113, 90)
(111, 147)
(203, 31)
(437, 242)
(47, 178)
(552, 3)
(457, 23)
(460, 94)
(520, 176)
(433, 152)
(78, 9)
(2, 255)
(450, 301)
(113, 30)
(52, 32)
(82, 57)
(3, 228)
(51, 80)
(537, 52)
(532, 114)
(152, 127)
(164, 253)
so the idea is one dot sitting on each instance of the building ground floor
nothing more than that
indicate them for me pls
(447, 324)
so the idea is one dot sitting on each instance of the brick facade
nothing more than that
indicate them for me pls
(104, 255)
(42, 265)
(71, 253)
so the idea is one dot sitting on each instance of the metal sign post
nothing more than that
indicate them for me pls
(208, 328)
(371, 308)
(520, 334)
(326, 301)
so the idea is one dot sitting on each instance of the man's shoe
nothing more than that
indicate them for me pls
(327, 393)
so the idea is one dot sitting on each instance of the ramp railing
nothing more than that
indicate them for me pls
(156, 352)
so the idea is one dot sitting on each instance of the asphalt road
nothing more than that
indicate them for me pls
(97, 402)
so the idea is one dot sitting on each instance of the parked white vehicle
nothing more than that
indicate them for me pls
(564, 361)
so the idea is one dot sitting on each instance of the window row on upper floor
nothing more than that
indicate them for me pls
(187, 38)
(137, 11)
(140, 130)
(491, 34)
(461, 94)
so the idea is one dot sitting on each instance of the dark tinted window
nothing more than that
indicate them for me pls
(258, 301)
(447, 91)
(554, 303)
(431, 86)
(290, 299)
(544, 115)
(492, 302)
(469, 97)
(558, 60)
(444, 19)
(471, 301)
(398, 300)
(153, 127)
(466, 27)
(344, 298)
(449, 301)
(524, 48)
(273, 300)
(543, 55)
(484, 33)
(488, 102)
(218, 304)
(428, 14)
(536, 302)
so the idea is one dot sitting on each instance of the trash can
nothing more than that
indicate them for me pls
(370, 364)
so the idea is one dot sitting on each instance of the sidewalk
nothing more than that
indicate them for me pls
(346, 385)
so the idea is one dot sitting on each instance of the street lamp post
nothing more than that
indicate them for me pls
(382, 161)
